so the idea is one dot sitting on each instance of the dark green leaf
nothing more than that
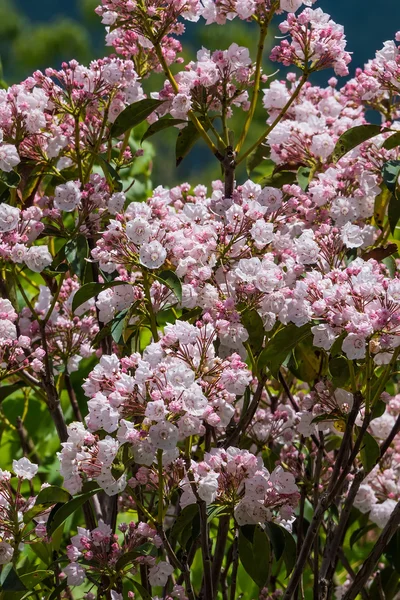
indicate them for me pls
(355, 136)
(183, 520)
(278, 348)
(270, 459)
(277, 538)
(144, 595)
(392, 142)
(394, 211)
(7, 390)
(133, 115)
(339, 369)
(392, 551)
(117, 326)
(187, 138)
(369, 451)
(61, 512)
(259, 164)
(254, 556)
(360, 532)
(290, 553)
(56, 594)
(160, 125)
(111, 175)
(52, 495)
(278, 179)
(10, 179)
(172, 281)
(303, 177)
(90, 290)
(306, 362)
(76, 252)
(9, 580)
(127, 559)
(390, 174)
(255, 328)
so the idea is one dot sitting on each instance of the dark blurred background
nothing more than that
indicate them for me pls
(40, 33)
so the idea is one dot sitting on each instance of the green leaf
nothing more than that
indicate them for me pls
(76, 252)
(172, 281)
(353, 137)
(278, 348)
(306, 362)
(278, 179)
(369, 451)
(390, 174)
(47, 497)
(56, 594)
(111, 175)
(133, 115)
(61, 512)
(52, 495)
(360, 532)
(277, 538)
(254, 555)
(385, 585)
(290, 553)
(394, 211)
(339, 369)
(303, 177)
(259, 164)
(7, 390)
(252, 321)
(142, 591)
(32, 579)
(392, 551)
(183, 520)
(117, 326)
(160, 125)
(127, 559)
(10, 581)
(90, 290)
(187, 138)
(392, 142)
(270, 459)
(10, 179)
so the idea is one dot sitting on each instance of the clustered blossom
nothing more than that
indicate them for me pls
(316, 43)
(183, 294)
(215, 80)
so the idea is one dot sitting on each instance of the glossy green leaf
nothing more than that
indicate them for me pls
(303, 177)
(278, 348)
(353, 137)
(56, 594)
(172, 281)
(254, 555)
(394, 211)
(52, 495)
(76, 252)
(90, 290)
(133, 115)
(10, 581)
(61, 512)
(339, 370)
(118, 325)
(252, 321)
(160, 125)
(32, 579)
(183, 520)
(187, 138)
(10, 179)
(278, 179)
(306, 362)
(259, 164)
(111, 175)
(392, 142)
(390, 174)
(7, 390)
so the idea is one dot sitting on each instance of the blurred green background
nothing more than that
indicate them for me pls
(43, 33)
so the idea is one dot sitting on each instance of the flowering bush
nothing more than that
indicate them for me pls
(219, 362)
